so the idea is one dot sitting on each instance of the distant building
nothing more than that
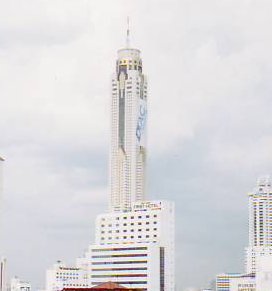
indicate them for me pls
(243, 283)
(260, 226)
(264, 273)
(3, 274)
(61, 276)
(18, 285)
(235, 282)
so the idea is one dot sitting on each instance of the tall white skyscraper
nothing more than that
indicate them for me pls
(260, 223)
(134, 241)
(128, 119)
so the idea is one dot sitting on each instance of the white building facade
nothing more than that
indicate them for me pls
(258, 275)
(134, 240)
(260, 223)
(264, 273)
(235, 282)
(128, 120)
(18, 285)
(61, 276)
(136, 248)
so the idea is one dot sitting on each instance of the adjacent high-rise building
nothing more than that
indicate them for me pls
(128, 120)
(259, 252)
(260, 223)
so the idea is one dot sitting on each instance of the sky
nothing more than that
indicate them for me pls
(209, 66)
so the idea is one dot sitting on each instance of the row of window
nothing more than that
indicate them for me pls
(120, 276)
(120, 249)
(126, 237)
(126, 224)
(119, 262)
(125, 230)
(133, 217)
(119, 256)
(119, 269)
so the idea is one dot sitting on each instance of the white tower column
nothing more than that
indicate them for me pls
(128, 120)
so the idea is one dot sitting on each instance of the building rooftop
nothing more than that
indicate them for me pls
(104, 287)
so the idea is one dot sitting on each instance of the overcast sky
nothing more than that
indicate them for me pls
(209, 66)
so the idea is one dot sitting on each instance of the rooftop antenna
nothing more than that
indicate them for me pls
(128, 33)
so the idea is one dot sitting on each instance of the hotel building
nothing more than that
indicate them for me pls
(134, 240)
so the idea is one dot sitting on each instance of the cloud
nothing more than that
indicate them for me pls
(43, 22)
(208, 65)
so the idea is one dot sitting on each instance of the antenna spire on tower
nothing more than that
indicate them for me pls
(128, 33)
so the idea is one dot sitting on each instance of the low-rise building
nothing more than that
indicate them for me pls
(235, 282)
(18, 285)
(60, 276)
